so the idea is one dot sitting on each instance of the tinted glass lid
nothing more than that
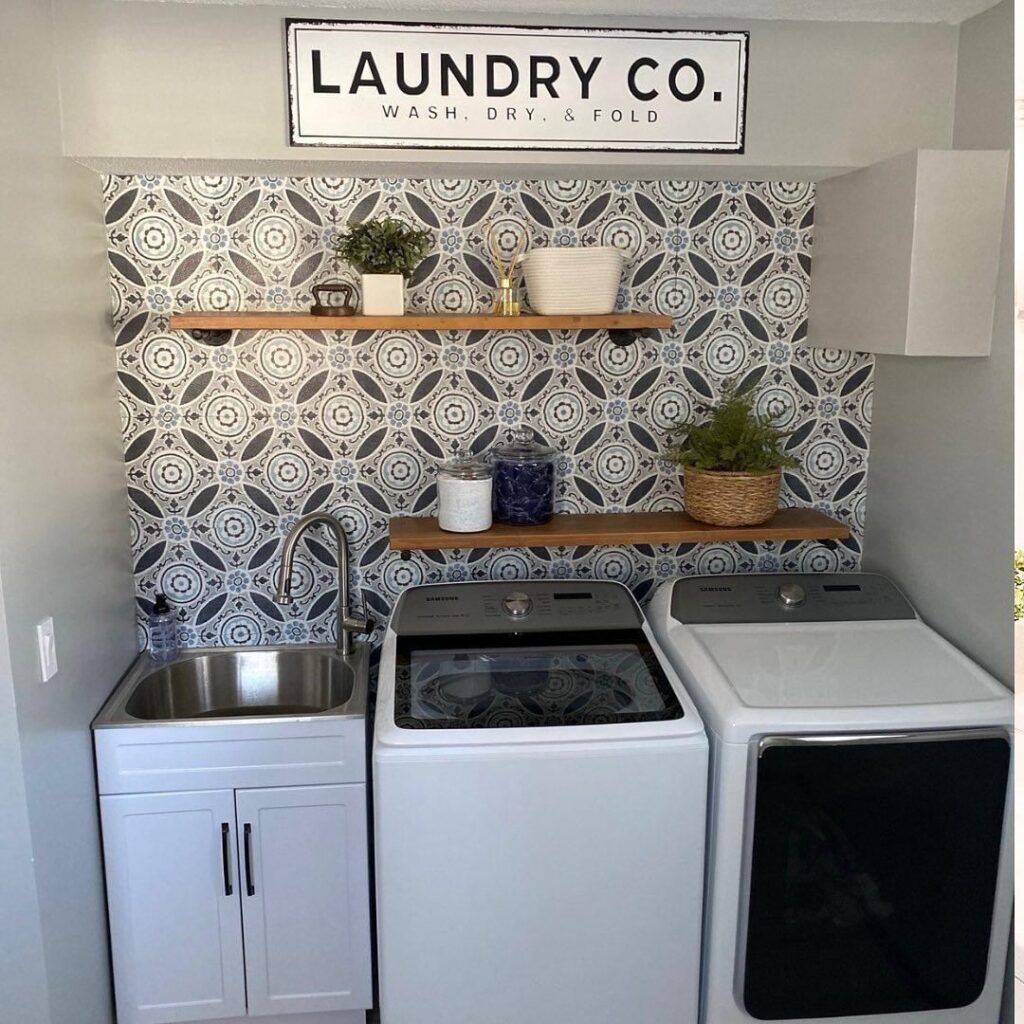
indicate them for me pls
(515, 683)
(523, 448)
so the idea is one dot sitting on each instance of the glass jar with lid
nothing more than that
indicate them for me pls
(464, 494)
(524, 480)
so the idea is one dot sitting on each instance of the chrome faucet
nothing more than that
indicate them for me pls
(347, 622)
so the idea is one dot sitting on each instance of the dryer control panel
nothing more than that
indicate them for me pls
(788, 597)
(518, 606)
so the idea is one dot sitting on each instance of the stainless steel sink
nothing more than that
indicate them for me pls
(243, 682)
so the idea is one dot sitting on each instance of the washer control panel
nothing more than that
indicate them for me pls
(526, 606)
(783, 597)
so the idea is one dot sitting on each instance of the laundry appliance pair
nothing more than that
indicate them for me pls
(778, 797)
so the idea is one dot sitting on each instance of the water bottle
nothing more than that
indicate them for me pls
(163, 631)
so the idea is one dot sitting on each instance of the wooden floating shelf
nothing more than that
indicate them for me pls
(423, 534)
(262, 321)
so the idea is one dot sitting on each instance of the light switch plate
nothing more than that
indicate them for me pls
(47, 649)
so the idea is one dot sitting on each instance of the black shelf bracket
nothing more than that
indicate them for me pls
(210, 337)
(624, 337)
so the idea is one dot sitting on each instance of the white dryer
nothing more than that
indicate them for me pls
(540, 785)
(859, 859)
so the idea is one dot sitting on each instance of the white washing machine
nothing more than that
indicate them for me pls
(859, 865)
(540, 784)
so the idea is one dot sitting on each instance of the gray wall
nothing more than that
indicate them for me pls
(22, 964)
(158, 82)
(63, 527)
(940, 479)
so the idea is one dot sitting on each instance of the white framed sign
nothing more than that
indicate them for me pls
(399, 85)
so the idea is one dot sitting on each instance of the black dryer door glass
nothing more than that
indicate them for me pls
(873, 876)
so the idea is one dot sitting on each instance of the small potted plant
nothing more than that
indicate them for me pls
(385, 252)
(732, 463)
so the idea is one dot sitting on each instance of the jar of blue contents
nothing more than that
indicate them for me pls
(524, 480)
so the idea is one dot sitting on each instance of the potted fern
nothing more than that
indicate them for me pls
(385, 252)
(732, 463)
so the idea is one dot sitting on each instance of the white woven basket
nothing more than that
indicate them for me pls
(572, 280)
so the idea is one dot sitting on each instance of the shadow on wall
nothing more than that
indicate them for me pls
(226, 447)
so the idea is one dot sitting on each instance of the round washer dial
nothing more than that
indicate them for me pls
(791, 595)
(517, 604)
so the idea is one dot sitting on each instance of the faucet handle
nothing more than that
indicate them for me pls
(357, 623)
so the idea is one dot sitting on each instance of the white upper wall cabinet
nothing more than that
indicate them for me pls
(906, 254)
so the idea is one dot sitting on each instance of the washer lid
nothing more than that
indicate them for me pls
(847, 665)
(502, 681)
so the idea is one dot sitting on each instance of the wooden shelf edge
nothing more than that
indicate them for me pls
(258, 320)
(411, 533)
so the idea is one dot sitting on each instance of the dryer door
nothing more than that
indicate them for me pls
(873, 865)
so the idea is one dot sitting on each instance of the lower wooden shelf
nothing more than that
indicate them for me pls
(410, 533)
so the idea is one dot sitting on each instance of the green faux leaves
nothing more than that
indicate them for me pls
(734, 439)
(384, 246)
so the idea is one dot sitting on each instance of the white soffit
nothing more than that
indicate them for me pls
(948, 12)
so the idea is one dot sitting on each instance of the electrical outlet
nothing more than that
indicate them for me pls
(47, 649)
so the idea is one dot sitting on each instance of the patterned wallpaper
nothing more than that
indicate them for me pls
(226, 447)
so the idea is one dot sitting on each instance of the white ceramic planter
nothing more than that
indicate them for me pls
(573, 280)
(383, 294)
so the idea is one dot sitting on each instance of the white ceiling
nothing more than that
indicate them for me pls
(950, 12)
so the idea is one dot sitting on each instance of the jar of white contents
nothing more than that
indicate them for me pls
(464, 494)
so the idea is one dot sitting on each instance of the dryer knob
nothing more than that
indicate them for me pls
(791, 595)
(517, 604)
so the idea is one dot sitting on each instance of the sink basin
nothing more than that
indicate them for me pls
(232, 683)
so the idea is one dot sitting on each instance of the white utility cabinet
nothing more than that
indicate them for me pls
(906, 254)
(174, 909)
(247, 896)
(305, 913)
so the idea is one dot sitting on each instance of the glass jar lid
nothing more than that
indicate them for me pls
(523, 448)
(465, 466)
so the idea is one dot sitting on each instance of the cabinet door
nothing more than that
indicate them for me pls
(305, 898)
(172, 893)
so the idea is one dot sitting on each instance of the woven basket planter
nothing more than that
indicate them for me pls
(731, 499)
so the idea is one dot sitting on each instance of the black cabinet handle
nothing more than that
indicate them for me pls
(249, 887)
(225, 854)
